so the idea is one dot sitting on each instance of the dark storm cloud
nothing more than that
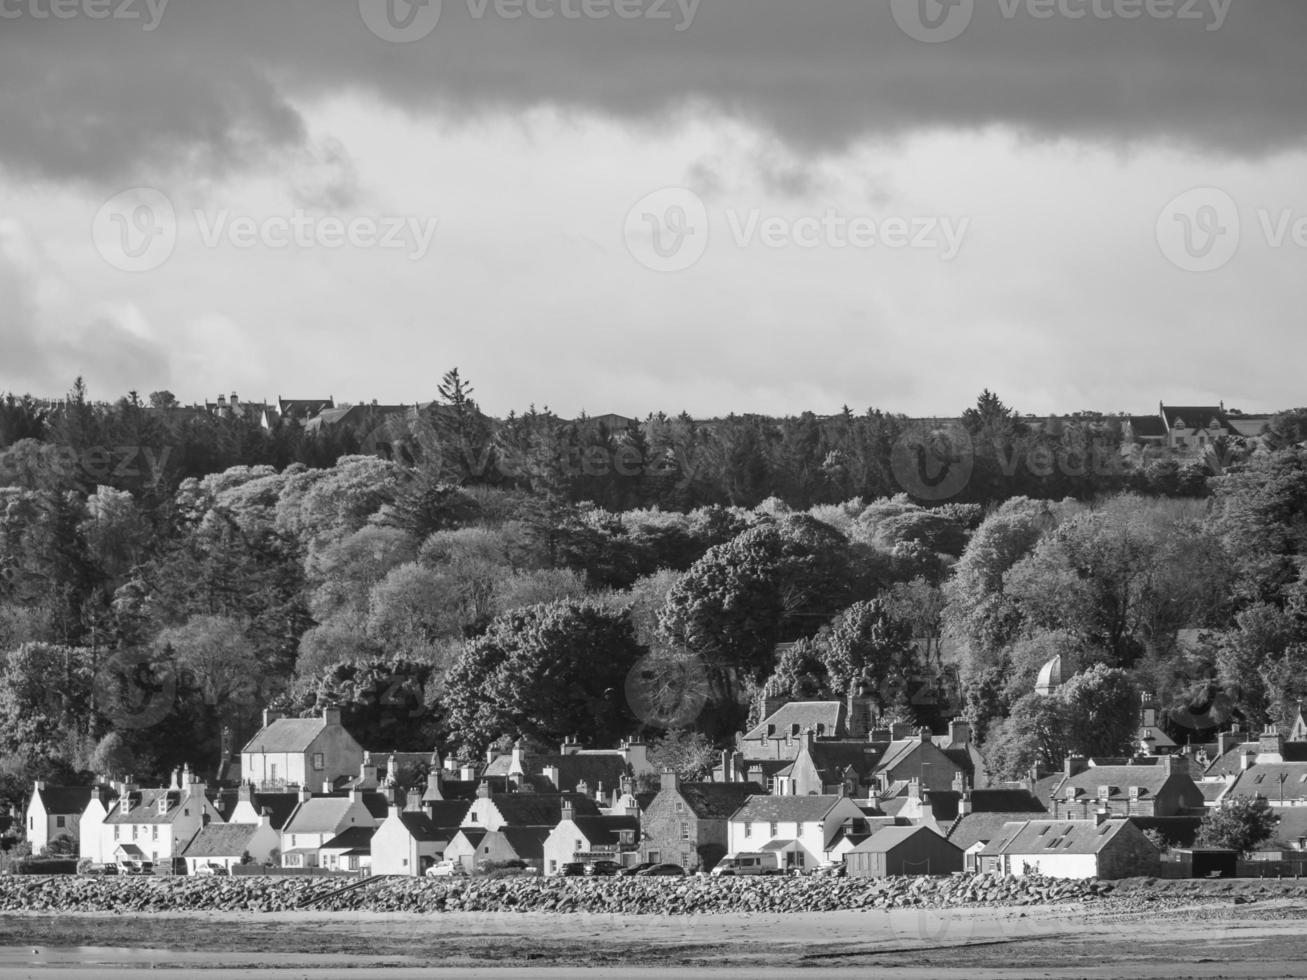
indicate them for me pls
(213, 85)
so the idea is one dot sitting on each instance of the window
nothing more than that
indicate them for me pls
(59, 821)
(115, 832)
(655, 857)
(748, 829)
(472, 817)
(680, 806)
(155, 828)
(775, 829)
(134, 829)
(580, 846)
(31, 823)
(685, 831)
(319, 762)
(186, 812)
(292, 840)
(798, 830)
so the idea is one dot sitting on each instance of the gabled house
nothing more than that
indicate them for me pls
(90, 838)
(1158, 787)
(297, 752)
(409, 842)
(152, 825)
(55, 811)
(779, 735)
(599, 769)
(475, 848)
(350, 850)
(1272, 768)
(686, 823)
(583, 839)
(230, 844)
(317, 820)
(800, 829)
(1098, 848)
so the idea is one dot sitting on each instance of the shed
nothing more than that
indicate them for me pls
(1201, 862)
(903, 851)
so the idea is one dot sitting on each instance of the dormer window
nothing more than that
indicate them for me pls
(794, 730)
(163, 805)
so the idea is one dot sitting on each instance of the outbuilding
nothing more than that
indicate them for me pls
(894, 851)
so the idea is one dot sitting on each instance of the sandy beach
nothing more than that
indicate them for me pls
(1260, 940)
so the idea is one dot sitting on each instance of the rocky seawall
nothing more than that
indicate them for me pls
(630, 896)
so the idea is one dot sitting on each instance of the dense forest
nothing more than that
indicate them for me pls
(451, 579)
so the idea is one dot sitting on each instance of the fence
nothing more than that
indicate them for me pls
(259, 871)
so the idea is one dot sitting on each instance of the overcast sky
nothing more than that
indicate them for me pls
(638, 205)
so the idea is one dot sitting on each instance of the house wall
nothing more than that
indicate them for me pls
(664, 836)
(561, 846)
(1051, 865)
(162, 841)
(37, 827)
(342, 755)
(493, 847)
(1129, 855)
(812, 835)
(396, 852)
(91, 833)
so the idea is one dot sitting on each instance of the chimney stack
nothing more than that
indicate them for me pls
(433, 786)
(965, 805)
(269, 716)
(569, 811)
(959, 732)
(331, 715)
(1270, 746)
(1075, 765)
(414, 802)
(670, 780)
(551, 773)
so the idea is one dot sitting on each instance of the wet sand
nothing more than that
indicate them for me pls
(1210, 940)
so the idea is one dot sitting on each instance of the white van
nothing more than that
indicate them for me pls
(746, 864)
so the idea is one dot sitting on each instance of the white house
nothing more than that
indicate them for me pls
(317, 820)
(294, 752)
(407, 843)
(800, 829)
(228, 844)
(589, 838)
(1098, 848)
(150, 824)
(55, 811)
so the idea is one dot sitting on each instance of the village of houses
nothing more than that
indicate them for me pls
(813, 788)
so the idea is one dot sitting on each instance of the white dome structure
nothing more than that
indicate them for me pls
(1050, 677)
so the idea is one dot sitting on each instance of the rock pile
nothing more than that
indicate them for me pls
(629, 896)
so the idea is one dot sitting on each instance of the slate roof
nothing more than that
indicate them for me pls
(593, 768)
(774, 809)
(1149, 779)
(717, 801)
(447, 814)
(837, 756)
(976, 827)
(541, 809)
(351, 838)
(1045, 836)
(888, 838)
(528, 843)
(1292, 826)
(473, 835)
(1264, 779)
(145, 809)
(221, 840)
(421, 827)
(131, 850)
(320, 815)
(279, 805)
(793, 719)
(64, 799)
(1148, 426)
(945, 804)
(1211, 791)
(1194, 416)
(286, 735)
(605, 830)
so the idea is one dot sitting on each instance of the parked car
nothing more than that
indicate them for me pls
(211, 870)
(446, 869)
(102, 869)
(636, 869)
(663, 871)
(572, 870)
(602, 869)
(136, 867)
